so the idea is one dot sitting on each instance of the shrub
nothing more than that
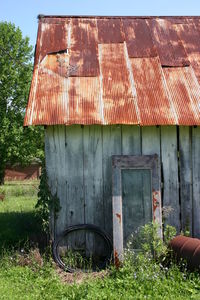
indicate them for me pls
(147, 240)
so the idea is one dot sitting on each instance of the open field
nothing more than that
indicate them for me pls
(25, 274)
(18, 222)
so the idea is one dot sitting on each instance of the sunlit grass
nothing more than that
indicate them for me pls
(25, 274)
(18, 222)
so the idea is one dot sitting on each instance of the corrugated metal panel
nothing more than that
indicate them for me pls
(168, 44)
(117, 96)
(103, 70)
(51, 96)
(152, 97)
(138, 38)
(109, 31)
(67, 100)
(190, 36)
(84, 106)
(83, 48)
(185, 93)
(49, 100)
(53, 38)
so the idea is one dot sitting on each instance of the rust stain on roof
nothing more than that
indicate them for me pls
(83, 48)
(138, 38)
(116, 70)
(117, 96)
(83, 104)
(168, 44)
(152, 97)
(52, 99)
(110, 31)
(190, 37)
(185, 93)
(53, 38)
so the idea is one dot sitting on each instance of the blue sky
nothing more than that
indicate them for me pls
(24, 13)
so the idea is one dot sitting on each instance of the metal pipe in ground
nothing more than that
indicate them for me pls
(187, 248)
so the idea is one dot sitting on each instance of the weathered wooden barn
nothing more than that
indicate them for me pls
(127, 87)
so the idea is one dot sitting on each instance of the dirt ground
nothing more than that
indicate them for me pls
(78, 277)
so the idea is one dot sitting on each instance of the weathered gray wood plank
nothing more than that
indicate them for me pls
(74, 175)
(50, 163)
(111, 146)
(196, 180)
(151, 145)
(185, 157)
(170, 176)
(50, 159)
(93, 182)
(60, 171)
(131, 140)
(151, 140)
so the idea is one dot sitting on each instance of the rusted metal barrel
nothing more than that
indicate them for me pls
(187, 248)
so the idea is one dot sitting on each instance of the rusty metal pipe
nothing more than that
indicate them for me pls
(187, 248)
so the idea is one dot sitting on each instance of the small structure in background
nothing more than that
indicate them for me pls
(19, 172)
(125, 86)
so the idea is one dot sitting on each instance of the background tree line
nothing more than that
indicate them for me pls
(17, 144)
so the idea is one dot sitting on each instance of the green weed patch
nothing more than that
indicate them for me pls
(26, 274)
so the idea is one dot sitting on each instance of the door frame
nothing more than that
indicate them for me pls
(145, 162)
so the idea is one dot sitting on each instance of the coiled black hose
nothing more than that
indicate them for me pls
(81, 227)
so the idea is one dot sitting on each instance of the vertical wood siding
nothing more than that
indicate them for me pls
(111, 146)
(169, 158)
(185, 155)
(196, 180)
(78, 160)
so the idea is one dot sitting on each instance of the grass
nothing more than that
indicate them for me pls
(146, 281)
(29, 275)
(18, 222)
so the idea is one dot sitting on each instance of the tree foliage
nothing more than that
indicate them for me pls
(17, 144)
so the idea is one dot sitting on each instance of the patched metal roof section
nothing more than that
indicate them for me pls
(138, 38)
(82, 38)
(117, 95)
(116, 70)
(190, 37)
(168, 44)
(185, 93)
(152, 96)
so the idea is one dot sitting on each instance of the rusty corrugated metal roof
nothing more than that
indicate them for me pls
(116, 70)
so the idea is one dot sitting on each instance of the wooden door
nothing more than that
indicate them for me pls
(136, 197)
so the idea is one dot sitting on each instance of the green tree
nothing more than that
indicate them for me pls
(17, 144)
